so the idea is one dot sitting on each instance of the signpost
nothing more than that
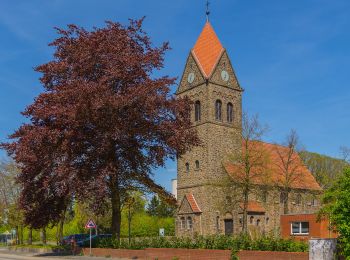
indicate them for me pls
(161, 232)
(90, 225)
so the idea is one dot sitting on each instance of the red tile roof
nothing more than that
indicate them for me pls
(207, 50)
(192, 201)
(272, 173)
(253, 206)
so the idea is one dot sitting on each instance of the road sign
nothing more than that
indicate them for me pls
(161, 232)
(90, 224)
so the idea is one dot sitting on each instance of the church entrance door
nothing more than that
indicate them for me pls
(228, 226)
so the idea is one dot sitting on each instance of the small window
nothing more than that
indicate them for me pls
(300, 228)
(197, 165)
(267, 220)
(197, 111)
(258, 222)
(218, 106)
(298, 199)
(229, 113)
(313, 202)
(189, 223)
(251, 220)
(182, 223)
(187, 167)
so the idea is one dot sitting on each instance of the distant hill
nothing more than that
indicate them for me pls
(326, 169)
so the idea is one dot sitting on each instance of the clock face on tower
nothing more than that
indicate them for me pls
(224, 75)
(190, 77)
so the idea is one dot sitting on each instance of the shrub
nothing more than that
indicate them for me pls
(234, 244)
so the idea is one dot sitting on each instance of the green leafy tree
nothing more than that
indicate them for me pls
(336, 207)
(11, 214)
(325, 168)
(165, 209)
(160, 208)
(153, 206)
(138, 202)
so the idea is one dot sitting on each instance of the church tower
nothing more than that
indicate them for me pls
(210, 82)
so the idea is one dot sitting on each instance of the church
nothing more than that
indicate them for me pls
(208, 199)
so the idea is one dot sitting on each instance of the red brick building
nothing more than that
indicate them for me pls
(305, 226)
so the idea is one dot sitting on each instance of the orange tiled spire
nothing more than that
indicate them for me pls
(207, 49)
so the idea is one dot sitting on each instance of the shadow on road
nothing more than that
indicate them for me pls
(54, 254)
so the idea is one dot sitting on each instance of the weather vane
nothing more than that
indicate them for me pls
(207, 13)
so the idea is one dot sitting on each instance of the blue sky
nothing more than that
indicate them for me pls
(292, 57)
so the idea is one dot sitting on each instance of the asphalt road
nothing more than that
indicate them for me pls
(6, 255)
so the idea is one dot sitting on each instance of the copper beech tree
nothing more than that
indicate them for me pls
(101, 125)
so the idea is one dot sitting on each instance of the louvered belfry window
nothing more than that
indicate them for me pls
(229, 113)
(197, 111)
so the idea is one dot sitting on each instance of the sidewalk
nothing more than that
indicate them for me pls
(9, 255)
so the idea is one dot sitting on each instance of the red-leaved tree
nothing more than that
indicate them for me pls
(102, 124)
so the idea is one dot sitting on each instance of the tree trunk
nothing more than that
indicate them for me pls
(60, 231)
(116, 210)
(17, 236)
(286, 201)
(245, 213)
(59, 235)
(43, 236)
(30, 236)
(21, 237)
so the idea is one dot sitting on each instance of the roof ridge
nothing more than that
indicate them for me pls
(265, 142)
(195, 208)
(207, 49)
(306, 179)
(198, 63)
(217, 62)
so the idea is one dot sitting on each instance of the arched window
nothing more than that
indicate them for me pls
(183, 223)
(229, 112)
(258, 222)
(267, 220)
(189, 223)
(218, 106)
(197, 111)
(264, 195)
(298, 199)
(251, 220)
(187, 167)
(197, 165)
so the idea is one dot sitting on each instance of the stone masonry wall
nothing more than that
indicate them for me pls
(217, 197)
(219, 139)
